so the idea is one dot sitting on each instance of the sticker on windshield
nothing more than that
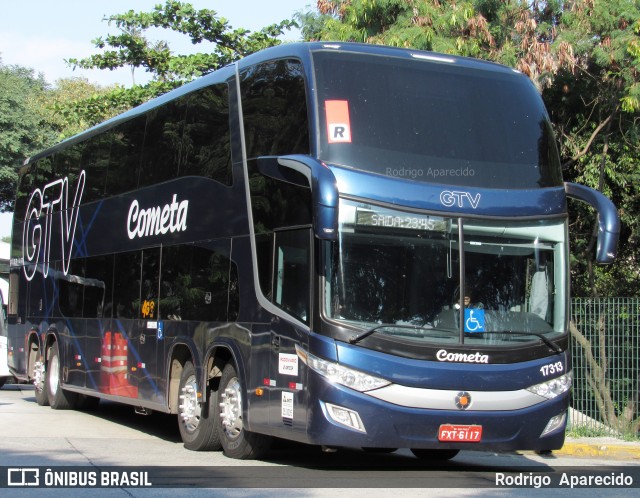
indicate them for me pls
(338, 122)
(473, 320)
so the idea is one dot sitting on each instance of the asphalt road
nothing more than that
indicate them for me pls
(71, 447)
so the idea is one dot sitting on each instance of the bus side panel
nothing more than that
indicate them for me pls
(71, 334)
(93, 349)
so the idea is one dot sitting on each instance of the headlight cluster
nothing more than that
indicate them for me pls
(554, 387)
(338, 374)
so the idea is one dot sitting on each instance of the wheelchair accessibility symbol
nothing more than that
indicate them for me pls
(473, 320)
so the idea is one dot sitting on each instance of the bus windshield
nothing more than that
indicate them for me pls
(435, 122)
(400, 272)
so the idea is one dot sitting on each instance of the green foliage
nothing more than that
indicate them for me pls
(132, 49)
(21, 129)
(66, 108)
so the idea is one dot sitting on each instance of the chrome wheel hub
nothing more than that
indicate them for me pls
(231, 409)
(189, 407)
(54, 375)
(38, 376)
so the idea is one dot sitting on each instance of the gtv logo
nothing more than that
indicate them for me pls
(451, 198)
(47, 207)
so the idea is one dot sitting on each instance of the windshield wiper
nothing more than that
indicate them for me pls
(554, 347)
(357, 338)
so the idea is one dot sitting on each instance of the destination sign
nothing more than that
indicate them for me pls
(393, 219)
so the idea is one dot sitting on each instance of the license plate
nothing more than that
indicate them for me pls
(460, 433)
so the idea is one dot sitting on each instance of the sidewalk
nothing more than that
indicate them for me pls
(603, 447)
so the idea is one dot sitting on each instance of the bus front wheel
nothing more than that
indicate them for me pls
(236, 441)
(197, 423)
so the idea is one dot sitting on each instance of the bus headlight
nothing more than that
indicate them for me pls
(554, 387)
(334, 372)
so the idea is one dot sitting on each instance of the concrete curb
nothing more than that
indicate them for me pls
(600, 447)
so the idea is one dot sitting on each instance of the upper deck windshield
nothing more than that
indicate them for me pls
(434, 122)
(401, 273)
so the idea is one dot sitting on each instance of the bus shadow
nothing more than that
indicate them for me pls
(161, 425)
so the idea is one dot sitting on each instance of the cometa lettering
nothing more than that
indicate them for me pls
(157, 220)
(477, 357)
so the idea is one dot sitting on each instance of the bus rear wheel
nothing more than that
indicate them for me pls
(59, 399)
(236, 441)
(434, 454)
(39, 382)
(197, 423)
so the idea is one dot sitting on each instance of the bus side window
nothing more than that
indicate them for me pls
(71, 292)
(196, 284)
(274, 106)
(126, 285)
(207, 140)
(98, 297)
(125, 156)
(291, 289)
(164, 145)
(95, 160)
(149, 288)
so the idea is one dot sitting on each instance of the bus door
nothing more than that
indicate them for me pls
(292, 293)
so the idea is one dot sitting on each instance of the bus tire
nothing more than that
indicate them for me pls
(59, 399)
(41, 396)
(197, 423)
(236, 441)
(40, 384)
(434, 454)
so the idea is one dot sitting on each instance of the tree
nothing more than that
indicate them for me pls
(69, 107)
(21, 129)
(131, 48)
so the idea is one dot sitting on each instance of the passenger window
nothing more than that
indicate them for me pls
(71, 289)
(206, 146)
(126, 285)
(291, 290)
(164, 145)
(125, 157)
(274, 107)
(95, 160)
(150, 284)
(98, 293)
(195, 283)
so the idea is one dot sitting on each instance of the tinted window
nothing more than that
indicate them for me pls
(291, 290)
(274, 108)
(276, 204)
(98, 291)
(150, 284)
(206, 145)
(125, 157)
(71, 289)
(264, 254)
(95, 160)
(164, 145)
(126, 285)
(68, 162)
(195, 284)
(434, 122)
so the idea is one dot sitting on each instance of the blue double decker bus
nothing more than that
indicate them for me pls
(339, 244)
